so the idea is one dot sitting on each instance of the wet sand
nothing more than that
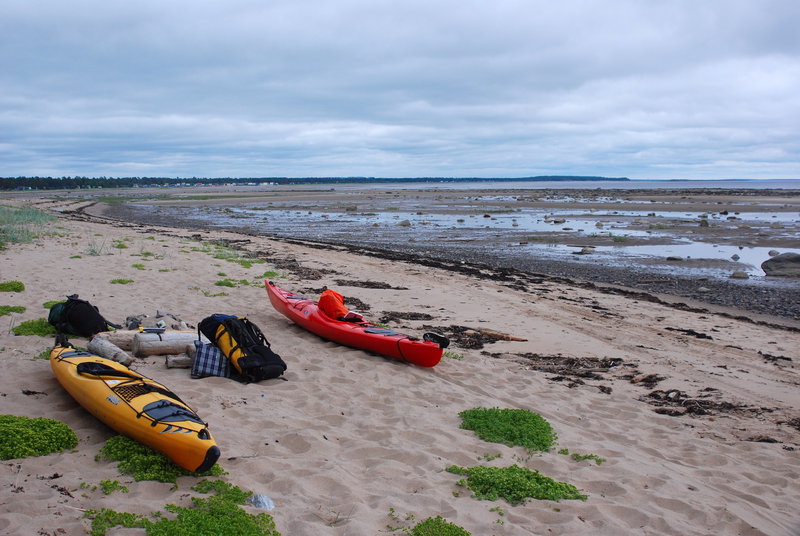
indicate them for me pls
(341, 216)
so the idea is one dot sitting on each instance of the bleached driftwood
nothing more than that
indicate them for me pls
(169, 342)
(123, 338)
(178, 361)
(104, 348)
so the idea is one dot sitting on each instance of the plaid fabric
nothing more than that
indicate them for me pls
(209, 361)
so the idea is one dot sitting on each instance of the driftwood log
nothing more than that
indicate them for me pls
(169, 342)
(104, 348)
(178, 361)
(122, 338)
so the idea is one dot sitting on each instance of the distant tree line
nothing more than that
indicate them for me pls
(73, 183)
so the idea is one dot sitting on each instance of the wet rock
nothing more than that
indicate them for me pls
(704, 223)
(773, 253)
(739, 275)
(404, 223)
(783, 265)
(674, 258)
(735, 257)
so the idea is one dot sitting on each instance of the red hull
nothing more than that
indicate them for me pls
(364, 336)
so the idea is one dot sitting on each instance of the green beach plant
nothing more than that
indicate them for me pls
(8, 309)
(515, 484)
(217, 514)
(12, 286)
(510, 426)
(145, 463)
(25, 436)
(40, 327)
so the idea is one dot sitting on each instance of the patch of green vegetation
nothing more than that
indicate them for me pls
(94, 249)
(40, 327)
(139, 266)
(515, 484)
(21, 225)
(51, 303)
(145, 463)
(12, 286)
(164, 270)
(510, 426)
(226, 283)
(121, 281)
(25, 436)
(580, 457)
(119, 244)
(8, 309)
(222, 251)
(438, 526)
(452, 355)
(217, 514)
(44, 354)
(620, 238)
(432, 526)
(108, 487)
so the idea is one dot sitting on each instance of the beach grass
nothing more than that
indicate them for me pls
(21, 225)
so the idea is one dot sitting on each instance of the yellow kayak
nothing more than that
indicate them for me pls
(136, 406)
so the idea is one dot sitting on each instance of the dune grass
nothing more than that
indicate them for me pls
(21, 225)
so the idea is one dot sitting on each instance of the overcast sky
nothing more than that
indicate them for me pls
(643, 89)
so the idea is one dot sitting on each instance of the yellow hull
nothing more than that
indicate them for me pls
(136, 406)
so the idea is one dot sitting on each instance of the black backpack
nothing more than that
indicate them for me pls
(244, 345)
(78, 317)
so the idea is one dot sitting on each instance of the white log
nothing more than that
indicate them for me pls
(169, 342)
(104, 348)
(121, 337)
(178, 361)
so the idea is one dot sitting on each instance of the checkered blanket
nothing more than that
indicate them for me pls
(209, 361)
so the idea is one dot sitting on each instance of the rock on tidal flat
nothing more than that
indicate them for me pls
(784, 265)
(739, 275)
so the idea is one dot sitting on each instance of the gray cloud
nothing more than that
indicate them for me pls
(311, 88)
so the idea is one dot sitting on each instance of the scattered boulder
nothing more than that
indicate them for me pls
(739, 275)
(773, 253)
(674, 258)
(783, 265)
(735, 257)
(404, 223)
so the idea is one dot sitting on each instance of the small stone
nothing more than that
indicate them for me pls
(773, 253)
(735, 257)
(739, 275)
(674, 258)
(404, 223)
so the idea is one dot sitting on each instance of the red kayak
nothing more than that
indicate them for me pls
(425, 352)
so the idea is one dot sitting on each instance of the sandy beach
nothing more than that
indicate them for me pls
(695, 410)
